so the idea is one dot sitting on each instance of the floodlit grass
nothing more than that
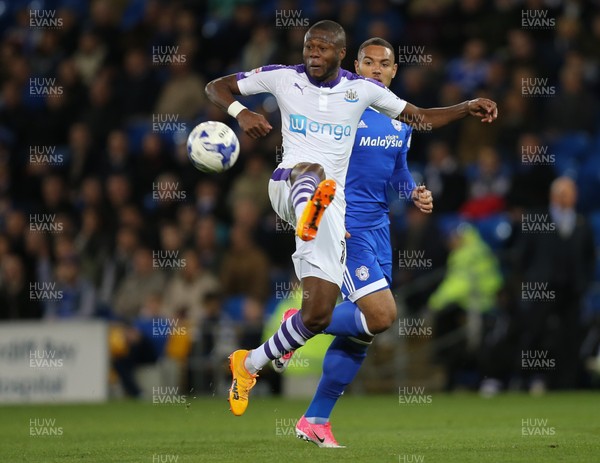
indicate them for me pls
(451, 428)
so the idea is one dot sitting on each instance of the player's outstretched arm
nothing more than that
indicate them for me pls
(221, 92)
(483, 108)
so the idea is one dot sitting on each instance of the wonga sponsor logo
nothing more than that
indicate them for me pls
(301, 124)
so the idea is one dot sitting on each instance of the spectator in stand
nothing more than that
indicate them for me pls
(90, 194)
(186, 223)
(16, 302)
(531, 180)
(119, 264)
(14, 228)
(145, 279)
(82, 155)
(421, 235)
(138, 85)
(467, 291)
(183, 93)
(488, 186)
(150, 164)
(470, 70)
(551, 310)
(444, 179)
(55, 199)
(92, 245)
(118, 156)
(38, 262)
(73, 296)
(187, 287)
(103, 114)
(144, 342)
(252, 183)
(573, 108)
(245, 267)
(90, 56)
(118, 191)
(490, 179)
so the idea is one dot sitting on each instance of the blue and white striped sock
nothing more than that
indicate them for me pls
(291, 335)
(302, 190)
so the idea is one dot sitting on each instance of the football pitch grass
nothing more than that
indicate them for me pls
(559, 427)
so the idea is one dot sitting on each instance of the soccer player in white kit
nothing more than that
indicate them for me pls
(321, 105)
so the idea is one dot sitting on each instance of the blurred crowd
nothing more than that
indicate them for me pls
(102, 215)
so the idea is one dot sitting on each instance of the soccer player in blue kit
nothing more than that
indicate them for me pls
(378, 161)
(321, 105)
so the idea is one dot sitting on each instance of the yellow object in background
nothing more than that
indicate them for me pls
(308, 360)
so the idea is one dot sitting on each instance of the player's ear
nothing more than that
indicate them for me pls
(395, 69)
(342, 53)
(356, 66)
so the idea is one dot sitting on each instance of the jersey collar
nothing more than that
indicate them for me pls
(330, 84)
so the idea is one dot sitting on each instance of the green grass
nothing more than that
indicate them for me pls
(452, 428)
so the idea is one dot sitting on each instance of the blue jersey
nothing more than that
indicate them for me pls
(378, 160)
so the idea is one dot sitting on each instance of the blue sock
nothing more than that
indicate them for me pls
(342, 361)
(347, 320)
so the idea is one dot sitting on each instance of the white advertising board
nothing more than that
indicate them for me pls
(53, 362)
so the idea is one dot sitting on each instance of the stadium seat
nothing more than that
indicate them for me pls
(570, 150)
(494, 229)
(136, 130)
(233, 306)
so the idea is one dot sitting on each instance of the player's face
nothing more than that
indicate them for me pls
(376, 62)
(322, 57)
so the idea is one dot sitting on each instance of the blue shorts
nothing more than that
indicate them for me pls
(368, 263)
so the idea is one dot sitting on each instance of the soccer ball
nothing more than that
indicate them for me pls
(212, 147)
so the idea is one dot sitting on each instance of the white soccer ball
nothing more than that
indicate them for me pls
(213, 147)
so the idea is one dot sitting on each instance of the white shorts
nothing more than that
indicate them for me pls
(325, 256)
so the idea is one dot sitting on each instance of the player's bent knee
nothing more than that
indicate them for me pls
(304, 167)
(381, 320)
(316, 323)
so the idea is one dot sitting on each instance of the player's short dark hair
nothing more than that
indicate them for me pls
(333, 28)
(379, 42)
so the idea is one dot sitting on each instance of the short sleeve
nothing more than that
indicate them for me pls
(259, 80)
(384, 100)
